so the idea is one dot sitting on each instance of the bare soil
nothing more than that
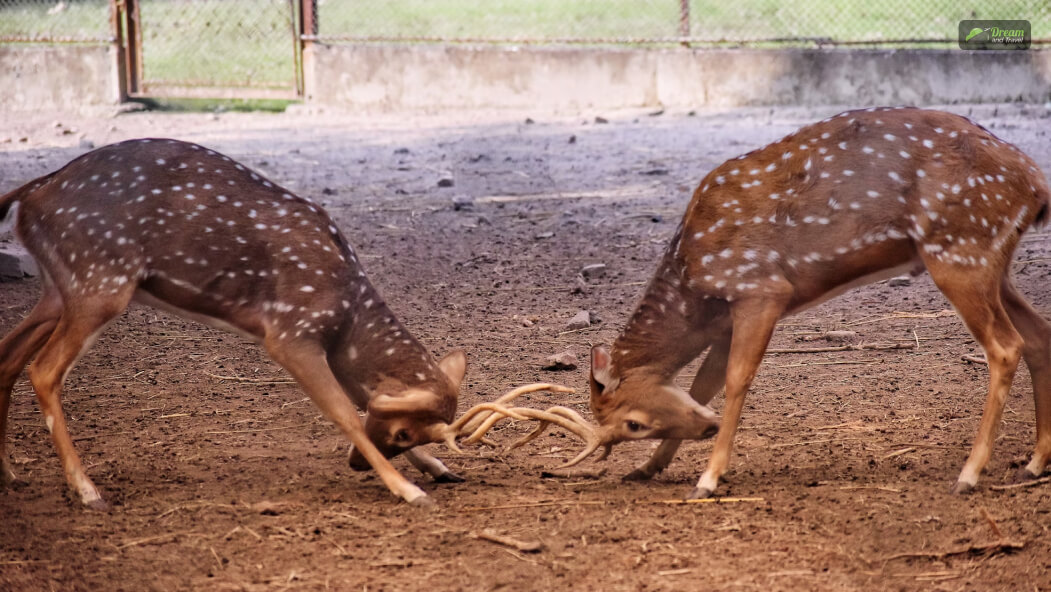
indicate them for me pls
(220, 484)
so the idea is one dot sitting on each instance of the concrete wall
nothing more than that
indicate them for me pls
(57, 77)
(435, 77)
(72, 77)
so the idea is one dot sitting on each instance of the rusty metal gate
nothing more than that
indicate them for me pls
(211, 48)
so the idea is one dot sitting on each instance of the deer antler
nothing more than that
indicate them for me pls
(478, 420)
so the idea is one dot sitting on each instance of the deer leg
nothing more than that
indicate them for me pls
(753, 325)
(428, 465)
(659, 461)
(305, 361)
(706, 384)
(1036, 350)
(711, 376)
(75, 332)
(977, 301)
(20, 345)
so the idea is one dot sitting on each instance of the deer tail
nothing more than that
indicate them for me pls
(1043, 196)
(9, 199)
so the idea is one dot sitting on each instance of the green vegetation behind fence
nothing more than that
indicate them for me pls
(251, 42)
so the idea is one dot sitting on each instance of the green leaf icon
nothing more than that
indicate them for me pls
(974, 33)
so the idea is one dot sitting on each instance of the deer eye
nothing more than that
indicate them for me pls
(402, 436)
(634, 426)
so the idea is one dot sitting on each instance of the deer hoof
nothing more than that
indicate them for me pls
(98, 505)
(423, 501)
(700, 493)
(1023, 475)
(962, 488)
(449, 477)
(637, 475)
(10, 481)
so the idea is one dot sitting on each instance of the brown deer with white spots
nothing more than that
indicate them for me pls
(858, 197)
(189, 231)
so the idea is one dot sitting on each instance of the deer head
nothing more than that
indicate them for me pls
(400, 418)
(641, 404)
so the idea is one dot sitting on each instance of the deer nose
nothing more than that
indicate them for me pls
(357, 460)
(710, 419)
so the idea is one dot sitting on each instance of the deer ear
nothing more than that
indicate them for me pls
(454, 365)
(601, 366)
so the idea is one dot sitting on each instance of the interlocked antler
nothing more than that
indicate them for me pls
(478, 420)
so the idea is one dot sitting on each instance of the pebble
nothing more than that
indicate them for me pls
(593, 271)
(560, 361)
(581, 320)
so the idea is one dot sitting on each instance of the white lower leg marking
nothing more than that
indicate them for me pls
(89, 495)
(6, 474)
(968, 476)
(436, 468)
(1036, 466)
(50, 422)
(86, 489)
(708, 481)
(425, 463)
(412, 493)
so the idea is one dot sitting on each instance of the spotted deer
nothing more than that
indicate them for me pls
(855, 198)
(187, 230)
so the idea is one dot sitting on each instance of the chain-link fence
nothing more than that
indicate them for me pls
(55, 21)
(228, 43)
(696, 22)
(177, 43)
(256, 43)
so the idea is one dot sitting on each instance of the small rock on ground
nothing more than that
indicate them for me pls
(593, 271)
(581, 320)
(560, 361)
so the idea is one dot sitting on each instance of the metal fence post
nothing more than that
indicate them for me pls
(124, 28)
(308, 19)
(308, 29)
(116, 21)
(684, 22)
(133, 44)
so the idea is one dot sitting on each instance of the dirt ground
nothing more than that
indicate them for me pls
(219, 484)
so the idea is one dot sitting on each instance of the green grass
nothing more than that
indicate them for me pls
(216, 105)
(500, 19)
(234, 43)
(852, 20)
(84, 20)
(218, 42)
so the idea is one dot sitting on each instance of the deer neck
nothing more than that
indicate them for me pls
(375, 352)
(670, 326)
